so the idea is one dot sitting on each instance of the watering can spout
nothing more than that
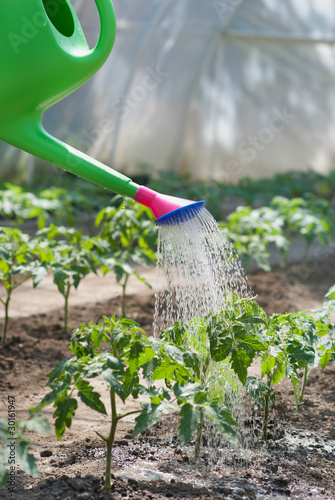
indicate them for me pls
(33, 138)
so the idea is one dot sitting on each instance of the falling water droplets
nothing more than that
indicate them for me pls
(197, 271)
(125, 198)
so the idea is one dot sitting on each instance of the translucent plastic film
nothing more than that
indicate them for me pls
(218, 88)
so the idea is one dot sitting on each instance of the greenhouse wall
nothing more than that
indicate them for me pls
(220, 89)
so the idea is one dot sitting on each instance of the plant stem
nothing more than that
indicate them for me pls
(66, 305)
(110, 441)
(306, 375)
(198, 441)
(11, 285)
(6, 304)
(266, 417)
(123, 300)
(296, 398)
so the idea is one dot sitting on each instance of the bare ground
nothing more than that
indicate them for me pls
(298, 462)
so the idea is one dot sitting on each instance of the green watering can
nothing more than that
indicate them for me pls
(44, 57)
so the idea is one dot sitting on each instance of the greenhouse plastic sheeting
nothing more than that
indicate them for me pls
(217, 88)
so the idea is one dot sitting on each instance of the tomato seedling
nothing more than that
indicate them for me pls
(127, 235)
(18, 263)
(118, 352)
(73, 258)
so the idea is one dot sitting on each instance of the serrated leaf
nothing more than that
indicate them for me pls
(190, 418)
(278, 373)
(251, 320)
(149, 416)
(163, 371)
(130, 384)
(267, 364)
(60, 367)
(191, 360)
(113, 363)
(186, 391)
(220, 349)
(119, 272)
(257, 390)
(240, 364)
(146, 356)
(50, 397)
(222, 422)
(65, 409)
(275, 350)
(89, 397)
(251, 345)
(324, 359)
(300, 350)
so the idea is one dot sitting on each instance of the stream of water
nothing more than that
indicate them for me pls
(197, 271)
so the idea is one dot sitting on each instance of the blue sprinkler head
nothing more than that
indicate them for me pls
(180, 215)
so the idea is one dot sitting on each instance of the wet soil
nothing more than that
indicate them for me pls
(297, 462)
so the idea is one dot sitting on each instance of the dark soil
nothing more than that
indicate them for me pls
(297, 462)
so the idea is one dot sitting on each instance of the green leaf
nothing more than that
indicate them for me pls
(3, 475)
(174, 353)
(4, 267)
(112, 380)
(60, 367)
(60, 278)
(26, 459)
(300, 350)
(187, 391)
(257, 390)
(220, 348)
(190, 418)
(278, 373)
(164, 370)
(37, 423)
(222, 421)
(146, 356)
(89, 397)
(251, 345)
(331, 293)
(240, 364)
(251, 320)
(149, 416)
(324, 359)
(65, 409)
(113, 363)
(267, 364)
(49, 398)
(39, 273)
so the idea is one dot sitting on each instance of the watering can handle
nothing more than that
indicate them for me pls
(107, 33)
